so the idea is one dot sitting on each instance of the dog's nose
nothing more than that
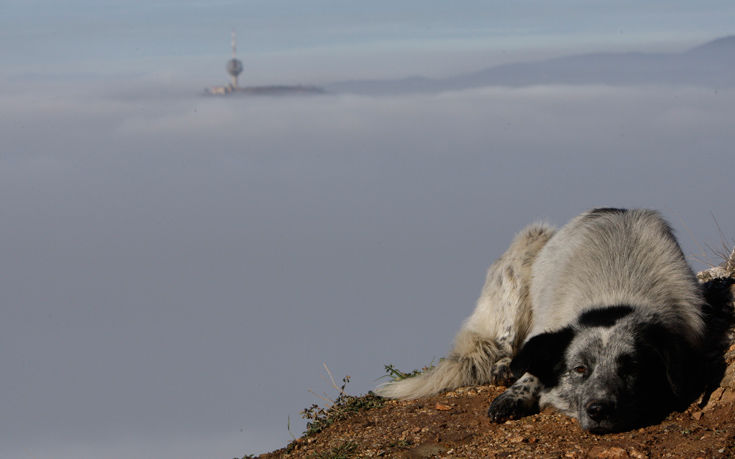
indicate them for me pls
(598, 410)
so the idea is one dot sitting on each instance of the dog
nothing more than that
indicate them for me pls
(603, 320)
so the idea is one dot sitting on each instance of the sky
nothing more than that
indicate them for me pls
(320, 39)
(176, 269)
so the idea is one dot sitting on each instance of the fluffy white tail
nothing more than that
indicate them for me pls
(474, 361)
(489, 338)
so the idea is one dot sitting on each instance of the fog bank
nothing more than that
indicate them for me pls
(180, 266)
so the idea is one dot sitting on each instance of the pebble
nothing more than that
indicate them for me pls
(635, 454)
(613, 452)
(728, 396)
(442, 407)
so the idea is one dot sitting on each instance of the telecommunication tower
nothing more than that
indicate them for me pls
(234, 66)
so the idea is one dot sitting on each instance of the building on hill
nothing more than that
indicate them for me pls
(234, 68)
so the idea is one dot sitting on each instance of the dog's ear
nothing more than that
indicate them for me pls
(670, 351)
(543, 356)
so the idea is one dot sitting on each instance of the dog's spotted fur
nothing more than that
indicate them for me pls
(603, 320)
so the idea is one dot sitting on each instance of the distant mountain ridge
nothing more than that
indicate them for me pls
(710, 65)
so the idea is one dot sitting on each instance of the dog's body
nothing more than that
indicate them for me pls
(601, 320)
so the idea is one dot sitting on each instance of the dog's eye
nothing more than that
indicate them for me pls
(580, 370)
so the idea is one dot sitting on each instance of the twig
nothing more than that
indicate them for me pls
(334, 383)
(331, 402)
(288, 426)
(730, 262)
(703, 257)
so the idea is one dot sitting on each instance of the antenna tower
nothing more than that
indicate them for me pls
(234, 44)
(234, 66)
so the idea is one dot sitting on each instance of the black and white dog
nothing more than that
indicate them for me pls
(603, 320)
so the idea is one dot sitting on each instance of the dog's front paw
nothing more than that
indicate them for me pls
(501, 373)
(509, 405)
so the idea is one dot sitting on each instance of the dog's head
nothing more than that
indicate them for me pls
(614, 369)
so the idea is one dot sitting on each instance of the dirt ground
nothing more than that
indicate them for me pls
(455, 425)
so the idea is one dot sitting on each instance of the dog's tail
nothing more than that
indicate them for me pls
(474, 360)
(488, 339)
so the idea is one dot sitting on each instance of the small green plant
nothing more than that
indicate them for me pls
(319, 418)
(394, 374)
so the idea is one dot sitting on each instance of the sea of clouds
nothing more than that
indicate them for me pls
(175, 268)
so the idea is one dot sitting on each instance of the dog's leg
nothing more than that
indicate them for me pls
(521, 399)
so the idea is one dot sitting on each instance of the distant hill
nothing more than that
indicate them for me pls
(273, 90)
(710, 65)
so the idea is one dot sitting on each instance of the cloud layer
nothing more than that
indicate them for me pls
(178, 265)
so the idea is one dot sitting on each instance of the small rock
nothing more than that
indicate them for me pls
(517, 439)
(613, 452)
(697, 415)
(712, 273)
(442, 407)
(714, 399)
(635, 454)
(728, 396)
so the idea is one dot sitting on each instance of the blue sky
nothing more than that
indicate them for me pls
(190, 38)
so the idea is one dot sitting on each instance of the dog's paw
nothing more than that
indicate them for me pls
(509, 406)
(502, 375)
